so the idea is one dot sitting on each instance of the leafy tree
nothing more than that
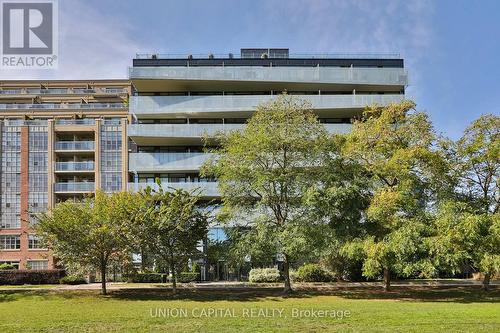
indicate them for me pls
(172, 227)
(393, 147)
(265, 171)
(91, 233)
(468, 219)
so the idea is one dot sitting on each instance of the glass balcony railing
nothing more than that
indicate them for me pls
(316, 75)
(70, 106)
(62, 91)
(86, 121)
(75, 166)
(201, 130)
(174, 105)
(145, 162)
(74, 145)
(207, 189)
(74, 187)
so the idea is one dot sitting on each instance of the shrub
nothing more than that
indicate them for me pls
(312, 273)
(148, 278)
(6, 266)
(72, 279)
(186, 277)
(30, 276)
(262, 275)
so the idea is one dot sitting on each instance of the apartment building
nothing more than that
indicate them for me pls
(177, 100)
(60, 140)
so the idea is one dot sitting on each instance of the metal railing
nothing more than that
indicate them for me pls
(74, 145)
(85, 121)
(74, 187)
(75, 166)
(50, 106)
(230, 55)
(62, 91)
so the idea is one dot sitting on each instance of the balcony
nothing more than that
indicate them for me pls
(149, 134)
(63, 106)
(63, 91)
(146, 134)
(84, 121)
(74, 146)
(208, 189)
(303, 75)
(159, 162)
(154, 106)
(87, 166)
(74, 187)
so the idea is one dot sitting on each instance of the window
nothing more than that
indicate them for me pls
(10, 242)
(38, 264)
(34, 242)
(13, 263)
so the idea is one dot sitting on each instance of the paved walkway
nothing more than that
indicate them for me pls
(246, 285)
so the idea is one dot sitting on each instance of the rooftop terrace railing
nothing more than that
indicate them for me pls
(51, 106)
(290, 56)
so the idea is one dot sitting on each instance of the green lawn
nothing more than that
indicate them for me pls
(367, 310)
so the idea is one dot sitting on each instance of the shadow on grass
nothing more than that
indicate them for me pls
(462, 294)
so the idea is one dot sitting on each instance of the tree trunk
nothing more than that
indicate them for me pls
(103, 278)
(387, 279)
(486, 281)
(286, 273)
(174, 279)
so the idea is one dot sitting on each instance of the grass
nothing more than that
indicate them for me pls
(407, 309)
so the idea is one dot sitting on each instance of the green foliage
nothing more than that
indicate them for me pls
(186, 277)
(73, 280)
(92, 233)
(264, 174)
(313, 273)
(264, 275)
(170, 225)
(6, 266)
(148, 278)
(392, 148)
(467, 223)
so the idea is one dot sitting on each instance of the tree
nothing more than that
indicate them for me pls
(393, 147)
(173, 226)
(468, 219)
(90, 233)
(265, 171)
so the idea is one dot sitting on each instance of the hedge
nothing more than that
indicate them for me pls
(312, 273)
(148, 278)
(31, 276)
(186, 277)
(71, 279)
(262, 275)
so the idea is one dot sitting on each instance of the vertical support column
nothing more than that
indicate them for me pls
(24, 194)
(50, 164)
(124, 154)
(97, 154)
(1, 169)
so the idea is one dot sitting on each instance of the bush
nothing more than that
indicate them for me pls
(29, 276)
(186, 277)
(72, 279)
(312, 273)
(6, 266)
(262, 275)
(148, 278)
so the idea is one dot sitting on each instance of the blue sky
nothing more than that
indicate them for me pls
(451, 48)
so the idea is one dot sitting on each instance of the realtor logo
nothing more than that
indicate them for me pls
(29, 34)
